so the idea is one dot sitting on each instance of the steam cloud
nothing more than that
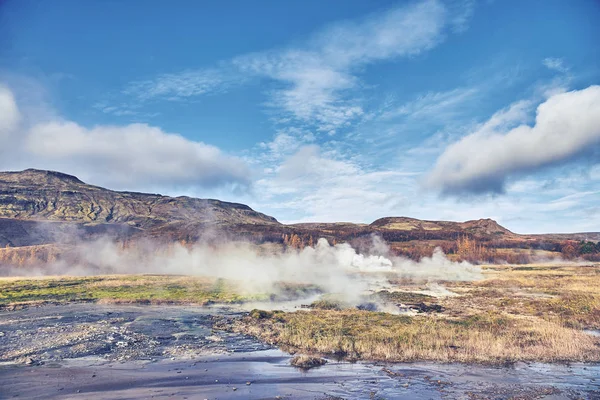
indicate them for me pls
(336, 269)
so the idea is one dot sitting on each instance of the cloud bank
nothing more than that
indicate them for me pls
(121, 157)
(326, 186)
(566, 128)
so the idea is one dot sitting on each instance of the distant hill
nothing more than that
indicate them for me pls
(48, 196)
(44, 207)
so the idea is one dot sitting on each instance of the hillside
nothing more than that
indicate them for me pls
(45, 207)
(47, 196)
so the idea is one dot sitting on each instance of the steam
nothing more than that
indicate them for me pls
(335, 269)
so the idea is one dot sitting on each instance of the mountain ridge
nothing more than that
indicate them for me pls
(42, 207)
(61, 182)
(51, 195)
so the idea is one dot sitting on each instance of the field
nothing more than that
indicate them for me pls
(516, 313)
(143, 289)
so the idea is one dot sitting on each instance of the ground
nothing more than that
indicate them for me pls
(97, 351)
(484, 339)
(516, 313)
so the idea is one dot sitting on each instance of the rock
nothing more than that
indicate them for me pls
(307, 362)
(29, 361)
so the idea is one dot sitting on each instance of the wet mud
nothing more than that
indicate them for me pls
(140, 352)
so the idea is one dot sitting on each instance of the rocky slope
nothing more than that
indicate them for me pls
(48, 196)
(41, 207)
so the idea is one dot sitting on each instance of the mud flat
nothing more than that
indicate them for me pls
(97, 351)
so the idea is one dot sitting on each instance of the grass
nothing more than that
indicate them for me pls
(568, 295)
(483, 338)
(121, 288)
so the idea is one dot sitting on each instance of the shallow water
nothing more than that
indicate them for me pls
(593, 332)
(269, 375)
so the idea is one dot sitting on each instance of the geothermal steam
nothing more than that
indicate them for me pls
(337, 269)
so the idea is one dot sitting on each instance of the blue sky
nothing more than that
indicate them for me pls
(316, 111)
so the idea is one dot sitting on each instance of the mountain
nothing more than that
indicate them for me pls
(63, 200)
(43, 207)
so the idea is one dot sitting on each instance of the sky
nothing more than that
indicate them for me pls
(315, 111)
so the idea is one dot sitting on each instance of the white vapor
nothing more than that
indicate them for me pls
(336, 269)
(134, 156)
(567, 127)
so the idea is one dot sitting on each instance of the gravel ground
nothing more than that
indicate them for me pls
(116, 333)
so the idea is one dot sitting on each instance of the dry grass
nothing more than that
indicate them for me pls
(568, 295)
(518, 313)
(485, 338)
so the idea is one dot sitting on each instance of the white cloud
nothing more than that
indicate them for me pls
(555, 64)
(132, 156)
(313, 185)
(285, 143)
(435, 105)
(315, 80)
(567, 202)
(463, 11)
(123, 110)
(318, 75)
(567, 125)
(9, 113)
(177, 86)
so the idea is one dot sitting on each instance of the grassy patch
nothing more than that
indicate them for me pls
(485, 338)
(568, 295)
(403, 297)
(528, 313)
(129, 288)
(327, 304)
